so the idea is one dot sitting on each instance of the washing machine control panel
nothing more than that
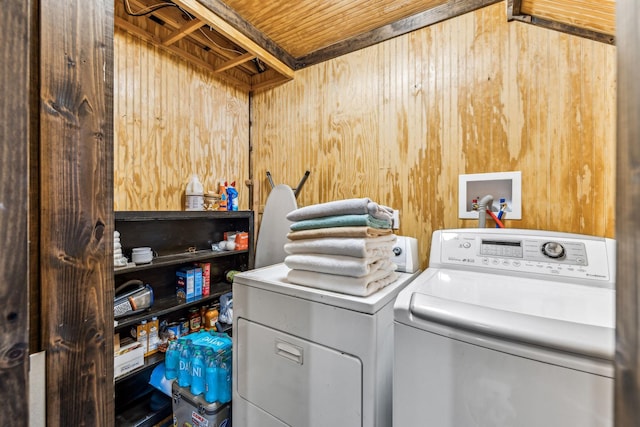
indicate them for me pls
(526, 251)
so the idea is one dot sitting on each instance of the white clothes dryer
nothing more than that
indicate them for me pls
(510, 328)
(306, 357)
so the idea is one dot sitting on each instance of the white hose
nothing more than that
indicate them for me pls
(482, 209)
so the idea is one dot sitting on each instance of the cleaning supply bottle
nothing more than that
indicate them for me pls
(222, 189)
(194, 200)
(232, 199)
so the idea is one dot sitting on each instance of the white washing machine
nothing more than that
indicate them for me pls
(306, 357)
(509, 328)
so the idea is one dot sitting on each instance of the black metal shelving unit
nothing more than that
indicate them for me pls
(178, 239)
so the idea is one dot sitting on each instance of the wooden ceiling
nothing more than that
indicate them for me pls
(257, 44)
(303, 27)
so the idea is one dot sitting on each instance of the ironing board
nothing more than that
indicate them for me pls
(274, 226)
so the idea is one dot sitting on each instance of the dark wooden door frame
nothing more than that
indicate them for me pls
(17, 109)
(56, 208)
(627, 380)
(95, 408)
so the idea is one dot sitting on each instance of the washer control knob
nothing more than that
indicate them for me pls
(397, 250)
(553, 250)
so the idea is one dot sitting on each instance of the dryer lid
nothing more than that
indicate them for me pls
(560, 316)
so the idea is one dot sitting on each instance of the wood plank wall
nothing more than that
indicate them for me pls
(173, 119)
(17, 112)
(399, 121)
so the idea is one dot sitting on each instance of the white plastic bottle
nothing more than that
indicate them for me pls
(194, 200)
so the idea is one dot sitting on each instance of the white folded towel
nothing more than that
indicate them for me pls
(338, 264)
(359, 286)
(373, 247)
(342, 207)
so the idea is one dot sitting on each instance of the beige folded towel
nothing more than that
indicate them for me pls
(362, 247)
(338, 264)
(339, 232)
(359, 286)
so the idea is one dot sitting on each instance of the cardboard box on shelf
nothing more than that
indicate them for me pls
(127, 357)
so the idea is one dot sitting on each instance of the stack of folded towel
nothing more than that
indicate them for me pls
(343, 246)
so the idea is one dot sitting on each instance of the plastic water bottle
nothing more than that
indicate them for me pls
(184, 370)
(172, 360)
(197, 373)
(194, 200)
(224, 379)
(211, 379)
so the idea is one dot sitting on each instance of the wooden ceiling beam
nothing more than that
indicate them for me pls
(198, 37)
(183, 31)
(235, 62)
(238, 22)
(144, 35)
(197, 9)
(513, 8)
(514, 13)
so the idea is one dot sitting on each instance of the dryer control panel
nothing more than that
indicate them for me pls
(527, 252)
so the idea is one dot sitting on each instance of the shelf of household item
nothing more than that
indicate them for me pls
(176, 259)
(155, 359)
(164, 306)
(149, 362)
(130, 216)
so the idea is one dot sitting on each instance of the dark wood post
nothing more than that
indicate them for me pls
(76, 209)
(627, 384)
(17, 112)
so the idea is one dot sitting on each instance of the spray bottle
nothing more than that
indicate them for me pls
(232, 199)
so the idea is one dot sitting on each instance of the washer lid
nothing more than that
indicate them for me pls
(561, 316)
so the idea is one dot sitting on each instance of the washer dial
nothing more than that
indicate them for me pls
(553, 250)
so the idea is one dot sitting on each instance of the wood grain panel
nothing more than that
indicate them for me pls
(76, 149)
(627, 375)
(595, 15)
(473, 94)
(317, 27)
(16, 135)
(173, 119)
